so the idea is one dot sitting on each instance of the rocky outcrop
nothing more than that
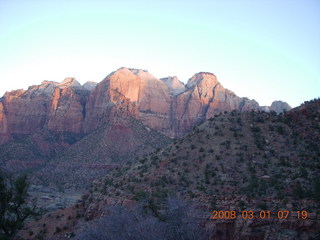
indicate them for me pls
(277, 106)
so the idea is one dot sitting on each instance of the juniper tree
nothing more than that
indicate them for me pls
(14, 209)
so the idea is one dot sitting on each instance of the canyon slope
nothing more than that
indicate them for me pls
(240, 161)
(245, 162)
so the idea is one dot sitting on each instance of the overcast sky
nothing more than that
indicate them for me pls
(264, 50)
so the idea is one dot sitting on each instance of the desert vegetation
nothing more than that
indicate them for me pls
(14, 206)
(176, 219)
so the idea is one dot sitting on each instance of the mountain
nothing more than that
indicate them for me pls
(203, 98)
(155, 104)
(149, 97)
(165, 105)
(226, 154)
(43, 122)
(52, 106)
(260, 165)
(253, 161)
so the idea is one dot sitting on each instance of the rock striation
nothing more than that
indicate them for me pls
(50, 105)
(141, 94)
(203, 98)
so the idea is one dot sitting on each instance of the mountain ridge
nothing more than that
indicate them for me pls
(67, 108)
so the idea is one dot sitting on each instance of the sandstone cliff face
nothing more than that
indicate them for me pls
(22, 114)
(51, 105)
(4, 136)
(66, 111)
(149, 99)
(204, 98)
(166, 105)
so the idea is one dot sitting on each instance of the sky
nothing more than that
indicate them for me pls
(265, 50)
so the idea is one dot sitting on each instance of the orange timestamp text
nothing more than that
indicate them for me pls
(263, 214)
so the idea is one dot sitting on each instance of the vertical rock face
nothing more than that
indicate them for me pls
(204, 98)
(166, 105)
(66, 111)
(4, 134)
(51, 105)
(148, 97)
(22, 114)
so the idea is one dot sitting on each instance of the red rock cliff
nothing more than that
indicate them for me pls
(165, 105)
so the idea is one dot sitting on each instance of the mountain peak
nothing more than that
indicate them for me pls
(174, 84)
(69, 82)
(279, 106)
(202, 76)
(89, 85)
(46, 82)
(143, 74)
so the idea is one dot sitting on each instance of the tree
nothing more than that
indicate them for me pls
(14, 209)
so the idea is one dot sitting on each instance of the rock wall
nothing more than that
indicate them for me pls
(165, 105)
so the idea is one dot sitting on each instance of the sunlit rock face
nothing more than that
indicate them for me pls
(144, 96)
(166, 105)
(51, 105)
(203, 98)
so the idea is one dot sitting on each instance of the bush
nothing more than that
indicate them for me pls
(178, 219)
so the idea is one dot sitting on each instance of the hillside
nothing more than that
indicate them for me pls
(234, 161)
(28, 152)
(124, 139)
